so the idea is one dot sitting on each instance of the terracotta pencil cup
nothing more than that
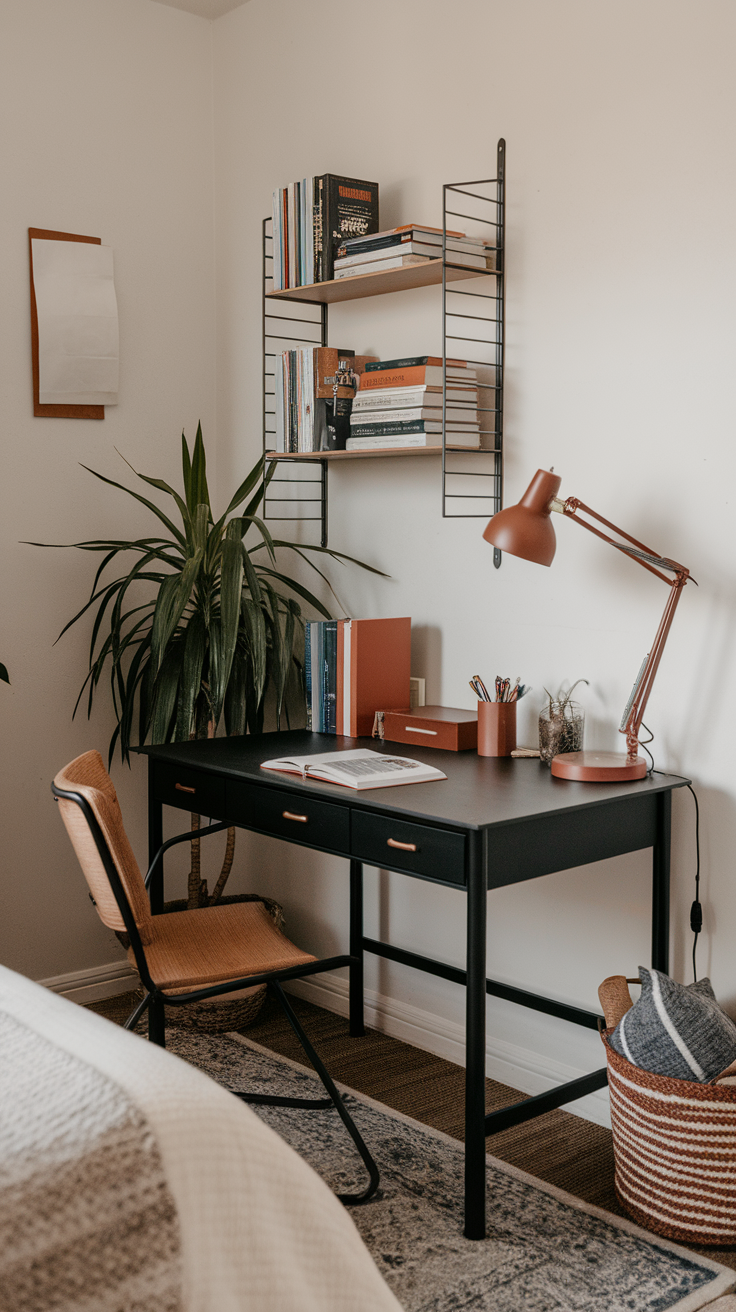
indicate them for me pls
(496, 728)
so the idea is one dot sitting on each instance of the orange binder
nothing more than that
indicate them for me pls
(373, 670)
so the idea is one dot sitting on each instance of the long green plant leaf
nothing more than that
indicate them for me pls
(201, 624)
(143, 500)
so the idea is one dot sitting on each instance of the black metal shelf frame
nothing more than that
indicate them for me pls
(472, 320)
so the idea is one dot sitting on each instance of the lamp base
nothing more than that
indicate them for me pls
(599, 767)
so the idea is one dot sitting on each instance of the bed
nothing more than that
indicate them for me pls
(130, 1180)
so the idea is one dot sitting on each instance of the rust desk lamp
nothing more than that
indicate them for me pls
(526, 530)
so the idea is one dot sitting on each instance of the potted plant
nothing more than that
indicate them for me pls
(219, 626)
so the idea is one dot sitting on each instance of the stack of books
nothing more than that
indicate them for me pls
(410, 244)
(310, 415)
(353, 668)
(399, 404)
(311, 219)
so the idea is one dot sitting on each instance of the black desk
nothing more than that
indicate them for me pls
(490, 823)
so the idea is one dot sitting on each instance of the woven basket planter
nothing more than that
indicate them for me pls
(674, 1144)
(235, 1010)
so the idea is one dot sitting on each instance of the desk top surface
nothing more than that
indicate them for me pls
(479, 791)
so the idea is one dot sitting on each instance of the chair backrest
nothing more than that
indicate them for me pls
(87, 776)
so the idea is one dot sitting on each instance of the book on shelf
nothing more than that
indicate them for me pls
(412, 361)
(378, 266)
(350, 209)
(456, 253)
(411, 232)
(311, 218)
(454, 414)
(357, 768)
(308, 415)
(461, 441)
(413, 376)
(353, 669)
(423, 238)
(390, 428)
(390, 398)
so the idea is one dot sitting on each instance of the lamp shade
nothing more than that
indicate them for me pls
(526, 529)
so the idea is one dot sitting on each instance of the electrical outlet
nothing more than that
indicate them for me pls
(417, 695)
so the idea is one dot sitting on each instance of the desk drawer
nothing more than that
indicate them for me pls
(192, 790)
(288, 815)
(402, 845)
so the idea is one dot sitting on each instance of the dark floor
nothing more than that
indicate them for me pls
(562, 1149)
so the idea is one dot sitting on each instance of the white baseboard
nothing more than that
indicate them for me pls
(519, 1067)
(506, 1062)
(94, 984)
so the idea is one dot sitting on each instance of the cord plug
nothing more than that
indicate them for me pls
(696, 917)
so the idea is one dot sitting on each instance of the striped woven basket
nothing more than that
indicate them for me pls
(674, 1144)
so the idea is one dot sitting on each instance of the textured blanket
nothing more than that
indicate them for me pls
(86, 1218)
(131, 1181)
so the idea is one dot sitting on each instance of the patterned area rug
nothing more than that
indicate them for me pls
(545, 1251)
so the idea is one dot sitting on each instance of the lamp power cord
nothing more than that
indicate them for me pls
(696, 909)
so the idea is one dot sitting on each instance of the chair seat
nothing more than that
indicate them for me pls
(192, 949)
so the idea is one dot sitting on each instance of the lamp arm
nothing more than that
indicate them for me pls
(645, 556)
(649, 560)
(645, 683)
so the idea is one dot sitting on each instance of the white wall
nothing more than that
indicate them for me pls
(620, 341)
(620, 256)
(106, 130)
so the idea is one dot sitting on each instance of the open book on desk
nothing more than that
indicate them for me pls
(356, 768)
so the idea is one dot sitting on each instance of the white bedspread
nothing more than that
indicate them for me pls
(258, 1230)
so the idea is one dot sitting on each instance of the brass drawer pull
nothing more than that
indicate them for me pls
(289, 815)
(182, 788)
(405, 847)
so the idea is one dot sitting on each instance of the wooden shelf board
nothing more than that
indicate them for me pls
(378, 451)
(375, 284)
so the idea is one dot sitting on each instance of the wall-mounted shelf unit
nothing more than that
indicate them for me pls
(375, 284)
(472, 328)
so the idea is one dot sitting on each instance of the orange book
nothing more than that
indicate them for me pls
(373, 670)
(412, 376)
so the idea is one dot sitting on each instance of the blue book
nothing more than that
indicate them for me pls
(329, 697)
(308, 672)
(317, 679)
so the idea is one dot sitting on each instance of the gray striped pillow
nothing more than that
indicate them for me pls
(676, 1030)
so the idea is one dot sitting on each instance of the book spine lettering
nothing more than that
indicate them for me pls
(413, 362)
(308, 673)
(330, 666)
(317, 681)
(402, 377)
(318, 213)
(350, 210)
(387, 429)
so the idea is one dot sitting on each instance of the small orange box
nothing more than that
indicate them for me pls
(433, 726)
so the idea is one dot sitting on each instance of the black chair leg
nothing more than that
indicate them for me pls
(157, 1022)
(136, 1014)
(336, 1099)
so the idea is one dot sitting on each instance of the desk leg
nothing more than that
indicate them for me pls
(155, 839)
(475, 1045)
(661, 884)
(357, 1027)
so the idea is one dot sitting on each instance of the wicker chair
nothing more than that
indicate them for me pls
(187, 956)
